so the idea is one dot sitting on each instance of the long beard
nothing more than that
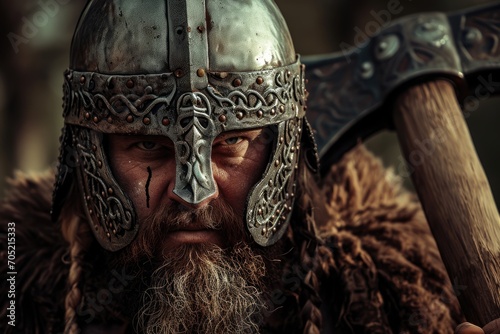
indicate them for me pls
(200, 289)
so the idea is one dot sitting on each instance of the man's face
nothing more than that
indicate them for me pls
(205, 276)
(145, 167)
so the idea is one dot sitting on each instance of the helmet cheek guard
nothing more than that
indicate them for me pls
(270, 203)
(191, 107)
(108, 209)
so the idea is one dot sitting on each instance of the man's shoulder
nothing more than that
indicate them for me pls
(368, 204)
(381, 240)
(34, 251)
(359, 190)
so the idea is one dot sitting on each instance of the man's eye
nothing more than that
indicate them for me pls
(233, 140)
(148, 145)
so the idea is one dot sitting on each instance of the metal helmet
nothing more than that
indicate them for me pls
(188, 70)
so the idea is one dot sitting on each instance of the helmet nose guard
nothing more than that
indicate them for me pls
(187, 70)
(194, 179)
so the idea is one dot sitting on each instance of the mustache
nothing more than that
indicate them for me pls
(177, 217)
(217, 215)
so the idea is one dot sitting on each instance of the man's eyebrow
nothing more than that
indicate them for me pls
(145, 138)
(238, 132)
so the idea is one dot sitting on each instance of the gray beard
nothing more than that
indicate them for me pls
(204, 289)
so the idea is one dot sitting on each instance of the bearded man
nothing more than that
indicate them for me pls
(187, 198)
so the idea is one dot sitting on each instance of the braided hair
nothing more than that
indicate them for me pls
(77, 233)
(306, 266)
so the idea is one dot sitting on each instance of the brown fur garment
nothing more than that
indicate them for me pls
(385, 262)
(41, 253)
(384, 253)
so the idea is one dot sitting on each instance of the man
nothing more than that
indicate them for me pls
(187, 200)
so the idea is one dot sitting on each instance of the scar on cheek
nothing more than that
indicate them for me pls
(150, 175)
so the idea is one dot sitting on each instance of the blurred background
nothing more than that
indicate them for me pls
(34, 52)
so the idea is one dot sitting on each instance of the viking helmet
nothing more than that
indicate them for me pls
(188, 70)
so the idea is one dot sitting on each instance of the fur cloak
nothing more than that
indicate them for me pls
(386, 264)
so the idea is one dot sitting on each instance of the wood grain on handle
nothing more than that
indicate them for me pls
(454, 193)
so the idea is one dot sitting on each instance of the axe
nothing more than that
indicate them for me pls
(413, 77)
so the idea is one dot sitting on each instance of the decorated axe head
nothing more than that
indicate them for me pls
(350, 92)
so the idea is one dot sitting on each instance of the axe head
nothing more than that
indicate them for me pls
(351, 93)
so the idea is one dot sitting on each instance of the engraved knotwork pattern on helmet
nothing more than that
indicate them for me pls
(95, 97)
(145, 103)
(285, 92)
(273, 203)
(106, 210)
(193, 146)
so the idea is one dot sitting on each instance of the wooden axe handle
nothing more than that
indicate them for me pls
(454, 193)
